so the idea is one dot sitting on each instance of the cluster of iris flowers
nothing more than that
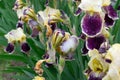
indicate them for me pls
(99, 16)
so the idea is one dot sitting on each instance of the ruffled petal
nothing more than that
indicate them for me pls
(10, 48)
(25, 47)
(95, 42)
(91, 24)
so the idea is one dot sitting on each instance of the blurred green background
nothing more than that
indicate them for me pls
(19, 66)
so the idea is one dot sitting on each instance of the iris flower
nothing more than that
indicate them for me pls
(26, 15)
(49, 17)
(97, 66)
(60, 42)
(98, 14)
(16, 36)
(113, 58)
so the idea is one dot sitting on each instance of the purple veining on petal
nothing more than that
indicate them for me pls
(10, 48)
(95, 42)
(91, 24)
(108, 21)
(25, 47)
(111, 12)
(78, 11)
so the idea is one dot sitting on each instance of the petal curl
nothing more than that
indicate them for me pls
(108, 21)
(111, 12)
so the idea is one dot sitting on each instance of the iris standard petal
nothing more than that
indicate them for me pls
(10, 48)
(111, 12)
(25, 47)
(95, 42)
(91, 24)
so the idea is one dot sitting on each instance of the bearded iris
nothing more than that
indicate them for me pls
(16, 36)
(98, 14)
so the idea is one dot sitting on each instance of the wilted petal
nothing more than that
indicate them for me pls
(91, 24)
(35, 32)
(10, 48)
(32, 23)
(38, 67)
(25, 47)
(78, 11)
(108, 21)
(111, 12)
(91, 5)
(95, 42)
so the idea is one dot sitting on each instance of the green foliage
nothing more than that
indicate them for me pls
(73, 70)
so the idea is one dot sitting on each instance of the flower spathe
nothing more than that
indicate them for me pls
(16, 35)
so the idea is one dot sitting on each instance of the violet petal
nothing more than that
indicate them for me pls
(25, 47)
(95, 42)
(91, 24)
(84, 50)
(111, 12)
(78, 11)
(19, 24)
(108, 21)
(10, 48)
